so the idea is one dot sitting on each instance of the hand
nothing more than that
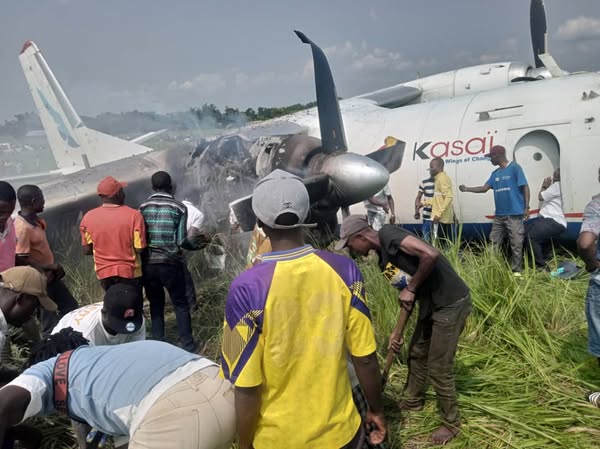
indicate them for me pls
(376, 427)
(392, 219)
(436, 219)
(546, 183)
(406, 299)
(526, 213)
(386, 209)
(462, 188)
(395, 342)
(59, 271)
(417, 215)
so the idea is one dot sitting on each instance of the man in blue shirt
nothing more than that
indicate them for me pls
(511, 196)
(152, 393)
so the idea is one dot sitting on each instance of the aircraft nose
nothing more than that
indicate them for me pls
(356, 178)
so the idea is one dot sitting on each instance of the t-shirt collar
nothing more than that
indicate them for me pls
(289, 254)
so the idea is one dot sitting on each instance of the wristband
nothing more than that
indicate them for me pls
(412, 290)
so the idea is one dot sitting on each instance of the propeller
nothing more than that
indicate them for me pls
(539, 30)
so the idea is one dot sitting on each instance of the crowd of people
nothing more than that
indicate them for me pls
(298, 365)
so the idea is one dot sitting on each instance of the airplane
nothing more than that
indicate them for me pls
(545, 117)
(85, 156)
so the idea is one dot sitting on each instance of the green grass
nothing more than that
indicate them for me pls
(522, 363)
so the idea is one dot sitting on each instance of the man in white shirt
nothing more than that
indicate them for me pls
(195, 219)
(378, 207)
(551, 221)
(118, 319)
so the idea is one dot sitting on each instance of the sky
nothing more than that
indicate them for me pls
(170, 55)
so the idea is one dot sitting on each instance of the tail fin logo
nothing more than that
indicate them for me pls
(59, 122)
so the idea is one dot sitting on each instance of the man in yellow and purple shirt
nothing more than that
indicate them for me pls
(289, 323)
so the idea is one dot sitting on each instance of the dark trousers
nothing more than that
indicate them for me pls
(358, 440)
(60, 294)
(190, 289)
(539, 232)
(431, 358)
(157, 278)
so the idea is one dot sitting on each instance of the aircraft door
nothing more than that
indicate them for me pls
(538, 153)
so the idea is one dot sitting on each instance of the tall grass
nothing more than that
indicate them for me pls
(522, 364)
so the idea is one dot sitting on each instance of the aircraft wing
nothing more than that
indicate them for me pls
(145, 137)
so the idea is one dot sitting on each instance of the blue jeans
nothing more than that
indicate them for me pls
(592, 313)
(426, 230)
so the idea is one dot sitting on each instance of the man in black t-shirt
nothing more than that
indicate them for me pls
(422, 274)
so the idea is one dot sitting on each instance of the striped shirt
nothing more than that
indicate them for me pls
(427, 187)
(166, 220)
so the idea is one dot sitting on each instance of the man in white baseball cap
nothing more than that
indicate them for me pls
(289, 322)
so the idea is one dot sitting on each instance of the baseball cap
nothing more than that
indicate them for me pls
(30, 281)
(496, 149)
(109, 187)
(280, 193)
(350, 226)
(123, 308)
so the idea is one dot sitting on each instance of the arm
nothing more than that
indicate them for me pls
(586, 245)
(427, 256)
(392, 209)
(527, 195)
(418, 204)
(13, 404)
(247, 409)
(545, 184)
(447, 196)
(481, 189)
(369, 376)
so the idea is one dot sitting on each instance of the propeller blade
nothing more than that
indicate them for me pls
(390, 155)
(539, 36)
(330, 118)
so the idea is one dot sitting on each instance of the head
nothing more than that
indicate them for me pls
(65, 340)
(357, 235)
(8, 198)
(22, 289)
(161, 182)
(436, 166)
(281, 204)
(122, 309)
(556, 175)
(111, 191)
(497, 155)
(31, 199)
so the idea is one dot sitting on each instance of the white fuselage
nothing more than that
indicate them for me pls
(544, 125)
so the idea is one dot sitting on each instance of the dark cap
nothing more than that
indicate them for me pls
(496, 149)
(123, 308)
(351, 225)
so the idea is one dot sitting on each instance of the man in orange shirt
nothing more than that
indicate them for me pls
(116, 235)
(33, 249)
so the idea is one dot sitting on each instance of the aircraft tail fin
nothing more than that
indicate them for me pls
(72, 143)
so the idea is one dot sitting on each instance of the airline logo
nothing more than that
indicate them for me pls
(466, 150)
(59, 122)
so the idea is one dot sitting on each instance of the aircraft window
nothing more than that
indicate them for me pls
(537, 156)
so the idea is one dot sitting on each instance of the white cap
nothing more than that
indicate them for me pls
(280, 193)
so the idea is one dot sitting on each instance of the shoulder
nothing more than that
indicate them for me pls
(345, 267)
(592, 209)
(393, 232)
(254, 281)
